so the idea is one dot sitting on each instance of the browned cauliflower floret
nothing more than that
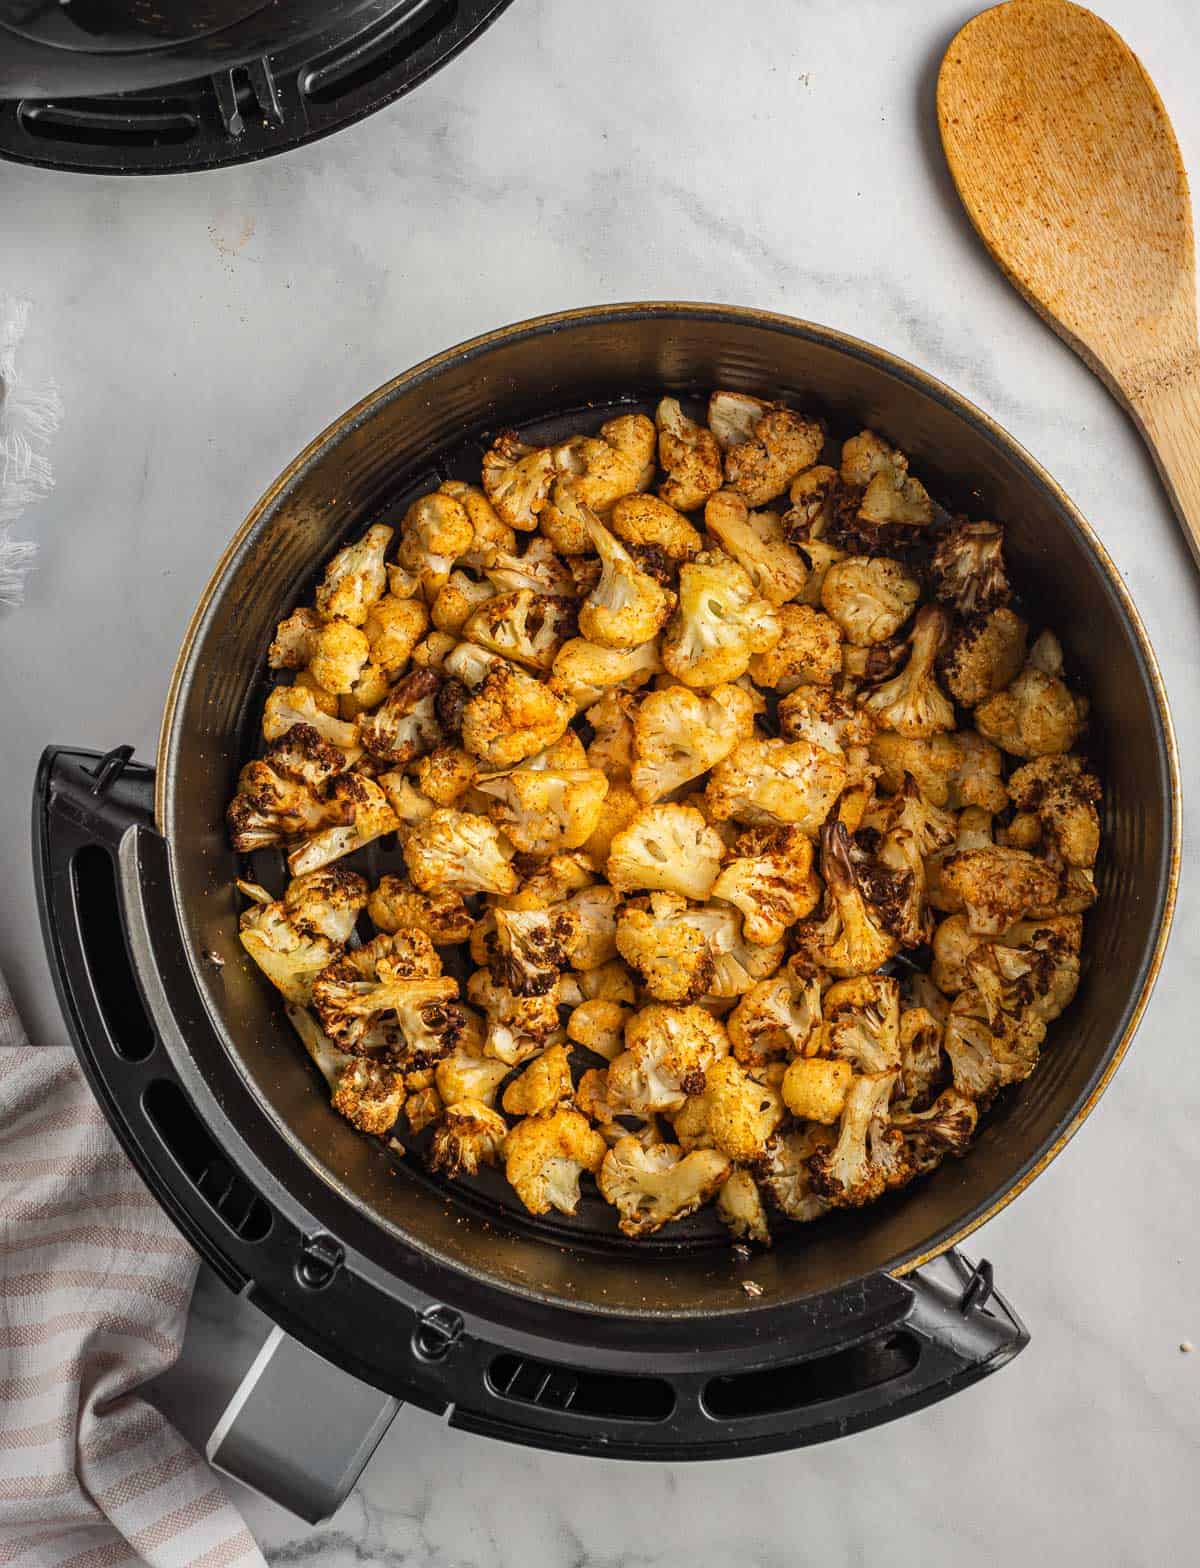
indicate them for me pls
(988, 1052)
(389, 998)
(968, 568)
(459, 598)
(651, 1187)
(339, 653)
(775, 783)
(295, 636)
(1063, 796)
(870, 597)
(691, 456)
(734, 1113)
(466, 1074)
(910, 831)
(815, 1088)
(818, 497)
(627, 607)
(393, 628)
(542, 810)
(679, 734)
(719, 624)
(488, 528)
(528, 948)
(853, 936)
(355, 578)
(737, 963)
(517, 479)
(994, 886)
(270, 809)
(920, 1055)
(862, 1022)
(833, 722)
(612, 723)
(766, 445)
(458, 852)
(617, 811)
(890, 494)
(447, 775)
(592, 473)
(776, 1017)
(946, 1127)
(516, 1027)
(1037, 715)
(809, 651)
(294, 938)
(1039, 958)
(674, 961)
(740, 1207)
(783, 1172)
(667, 848)
(983, 656)
(405, 726)
(467, 1135)
(583, 672)
(545, 1083)
(869, 1155)
(435, 532)
(756, 541)
(667, 1052)
(406, 801)
(369, 1094)
(544, 1157)
(288, 706)
(654, 532)
(951, 770)
(911, 703)
(770, 879)
(510, 716)
(599, 1024)
(525, 626)
(366, 815)
(537, 568)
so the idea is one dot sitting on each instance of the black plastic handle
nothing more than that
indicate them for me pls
(780, 1377)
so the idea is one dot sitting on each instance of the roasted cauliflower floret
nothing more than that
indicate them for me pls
(738, 1113)
(529, 948)
(667, 848)
(457, 852)
(674, 961)
(467, 1135)
(950, 770)
(288, 706)
(627, 606)
(766, 445)
(544, 1157)
(510, 716)
(599, 1025)
(853, 936)
(1063, 797)
(447, 775)
(994, 886)
(911, 703)
(809, 651)
(651, 1187)
(468, 1075)
(890, 494)
(457, 601)
(339, 652)
(784, 1175)
(815, 1088)
(405, 726)
(679, 734)
(770, 879)
(365, 816)
(988, 1053)
(617, 811)
(983, 656)
(271, 809)
(389, 998)
(691, 456)
(592, 473)
(488, 528)
(370, 1095)
(355, 578)
(862, 1023)
(946, 1127)
(777, 1017)
(583, 672)
(756, 541)
(870, 597)
(1037, 715)
(517, 1027)
(295, 636)
(525, 626)
(517, 479)
(667, 1052)
(967, 569)
(654, 532)
(831, 721)
(545, 1083)
(293, 944)
(740, 1208)
(543, 810)
(869, 1155)
(776, 783)
(920, 1055)
(719, 624)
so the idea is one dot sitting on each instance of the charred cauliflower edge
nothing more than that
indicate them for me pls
(684, 787)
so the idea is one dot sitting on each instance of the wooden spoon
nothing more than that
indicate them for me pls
(1068, 167)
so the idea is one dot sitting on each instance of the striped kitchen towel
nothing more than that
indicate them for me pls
(94, 1291)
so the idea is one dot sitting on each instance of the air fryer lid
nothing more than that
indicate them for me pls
(435, 421)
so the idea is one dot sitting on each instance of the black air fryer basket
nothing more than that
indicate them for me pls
(556, 1334)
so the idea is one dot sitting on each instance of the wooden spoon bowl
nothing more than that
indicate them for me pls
(1068, 167)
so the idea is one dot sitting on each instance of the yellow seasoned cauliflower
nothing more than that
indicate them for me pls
(517, 479)
(733, 1113)
(870, 597)
(766, 445)
(651, 1187)
(510, 716)
(666, 848)
(627, 607)
(679, 734)
(815, 1088)
(397, 905)
(911, 703)
(777, 1017)
(776, 783)
(983, 656)
(1062, 796)
(356, 578)
(583, 672)
(809, 651)
(593, 472)
(1037, 715)
(719, 624)
(769, 876)
(544, 1157)
(691, 456)
(545, 1083)
(542, 810)
(667, 1052)
(524, 626)
(435, 532)
(756, 541)
(466, 1136)
(457, 852)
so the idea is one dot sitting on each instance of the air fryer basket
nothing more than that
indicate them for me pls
(460, 1298)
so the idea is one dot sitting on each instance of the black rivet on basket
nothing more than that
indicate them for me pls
(320, 1259)
(437, 1332)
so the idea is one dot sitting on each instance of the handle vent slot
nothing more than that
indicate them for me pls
(184, 1136)
(774, 1390)
(101, 938)
(596, 1394)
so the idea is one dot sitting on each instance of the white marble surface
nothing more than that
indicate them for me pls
(783, 156)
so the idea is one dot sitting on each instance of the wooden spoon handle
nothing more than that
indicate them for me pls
(1169, 420)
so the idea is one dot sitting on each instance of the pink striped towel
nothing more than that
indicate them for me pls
(94, 1291)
